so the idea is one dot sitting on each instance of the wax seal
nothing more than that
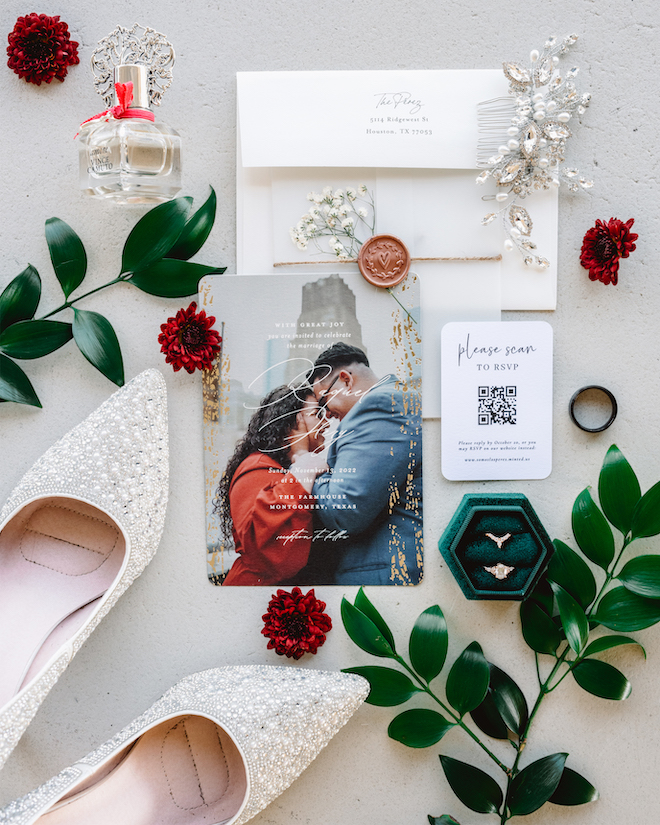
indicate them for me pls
(384, 260)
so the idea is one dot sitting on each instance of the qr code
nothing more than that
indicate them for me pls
(497, 405)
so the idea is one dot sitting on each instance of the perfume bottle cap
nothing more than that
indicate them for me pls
(138, 76)
(140, 55)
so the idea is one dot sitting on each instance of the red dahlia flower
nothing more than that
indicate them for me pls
(188, 340)
(295, 623)
(40, 48)
(603, 246)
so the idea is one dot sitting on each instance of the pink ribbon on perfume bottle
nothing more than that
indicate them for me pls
(124, 96)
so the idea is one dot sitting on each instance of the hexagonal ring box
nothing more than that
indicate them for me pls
(496, 546)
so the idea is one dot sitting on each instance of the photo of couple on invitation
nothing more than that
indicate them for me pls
(314, 453)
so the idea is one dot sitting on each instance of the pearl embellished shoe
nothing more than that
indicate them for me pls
(81, 525)
(216, 749)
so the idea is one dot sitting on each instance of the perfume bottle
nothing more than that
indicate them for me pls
(126, 155)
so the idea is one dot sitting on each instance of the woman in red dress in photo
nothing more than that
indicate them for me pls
(265, 499)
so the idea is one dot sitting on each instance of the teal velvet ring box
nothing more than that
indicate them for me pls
(496, 546)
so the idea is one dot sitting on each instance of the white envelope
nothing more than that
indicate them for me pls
(399, 119)
(412, 137)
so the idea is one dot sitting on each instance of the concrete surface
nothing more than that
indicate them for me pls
(172, 622)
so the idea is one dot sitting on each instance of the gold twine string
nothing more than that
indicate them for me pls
(354, 260)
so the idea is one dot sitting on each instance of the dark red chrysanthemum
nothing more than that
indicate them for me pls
(188, 340)
(604, 245)
(40, 49)
(295, 623)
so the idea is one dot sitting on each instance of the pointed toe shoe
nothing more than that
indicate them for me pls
(80, 526)
(215, 749)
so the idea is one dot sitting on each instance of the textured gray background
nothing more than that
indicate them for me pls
(171, 622)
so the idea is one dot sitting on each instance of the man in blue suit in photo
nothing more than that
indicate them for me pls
(371, 498)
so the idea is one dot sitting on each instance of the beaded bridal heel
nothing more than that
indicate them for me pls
(81, 525)
(215, 749)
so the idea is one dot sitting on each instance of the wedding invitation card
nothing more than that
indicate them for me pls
(496, 400)
(356, 421)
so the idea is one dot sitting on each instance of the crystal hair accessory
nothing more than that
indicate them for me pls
(523, 140)
(125, 154)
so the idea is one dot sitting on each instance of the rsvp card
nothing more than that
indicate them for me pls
(496, 400)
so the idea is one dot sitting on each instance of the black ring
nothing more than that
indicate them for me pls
(577, 394)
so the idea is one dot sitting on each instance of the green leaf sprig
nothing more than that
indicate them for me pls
(563, 618)
(155, 259)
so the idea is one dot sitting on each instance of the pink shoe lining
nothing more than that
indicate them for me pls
(57, 557)
(185, 770)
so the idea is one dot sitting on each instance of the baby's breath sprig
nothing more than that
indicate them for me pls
(338, 215)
